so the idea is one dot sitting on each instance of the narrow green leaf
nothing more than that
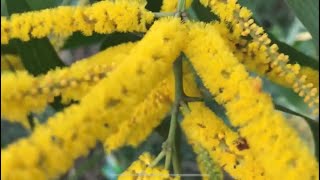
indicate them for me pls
(8, 49)
(77, 39)
(202, 13)
(43, 4)
(10, 132)
(118, 38)
(154, 5)
(308, 13)
(4, 11)
(37, 55)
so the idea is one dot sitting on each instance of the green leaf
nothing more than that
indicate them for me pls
(77, 39)
(8, 49)
(4, 11)
(118, 38)
(43, 4)
(308, 13)
(295, 56)
(198, 11)
(37, 55)
(154, 5)
(10, 132)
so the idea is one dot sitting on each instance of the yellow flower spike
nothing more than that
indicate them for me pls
(141, 169)
(231, 12)
(150, 112)
(147, 115)
(70, 134)
(10, 62)
(248, 107)
(171, 5)
(257, 60)
(204, 129)
(101, 17)
(15, 86)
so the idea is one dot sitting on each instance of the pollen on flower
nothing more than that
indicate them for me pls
(57, 82)
(56, 139)
(218, 145)
(247, 107)
(102, 17)
(141, 169)
(240, 20)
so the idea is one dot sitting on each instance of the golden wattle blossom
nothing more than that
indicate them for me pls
(123, 93)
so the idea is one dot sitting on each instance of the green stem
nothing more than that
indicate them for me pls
(163, 14)
(171, 136)
(175, 160)
(192, 99)
(158, 159)
(177, 69)
(181, 5)
(66, 2)
(169, 149)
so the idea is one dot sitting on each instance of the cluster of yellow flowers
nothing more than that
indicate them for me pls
(204, 129)
(102, 17)
(22, 93)
(255, 60)
(265, 54)
(141, 168)
(247, 106)
(102, 109)
(125, 91)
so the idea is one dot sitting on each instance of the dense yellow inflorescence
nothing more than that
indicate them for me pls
(255, 60)
(141, 169)
(126, 91)
(70, 134)
(248, 107)
(146, 116)
(11, 62)
(150, 112)
(205, 130)
(102, 17)
(23, 93)
(243, 25)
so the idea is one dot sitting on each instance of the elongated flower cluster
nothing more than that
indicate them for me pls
(146, 116)
(22, 93)
(243, 25)
(248, 107)
(254, 61)
(123, 93)
(141, 169)
(207, 133)
(72, 133)
(102, 17)
(150, 112)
